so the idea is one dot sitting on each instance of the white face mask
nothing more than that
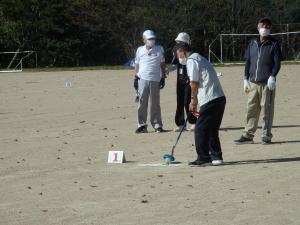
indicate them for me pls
(264, 32)
(182, 61)
(150, 43)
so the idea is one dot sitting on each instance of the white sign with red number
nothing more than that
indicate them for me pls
(116, 157)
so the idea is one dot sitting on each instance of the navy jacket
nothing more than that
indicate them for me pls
(262, 60)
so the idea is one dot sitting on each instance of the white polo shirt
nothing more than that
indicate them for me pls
(149, 62)
(200, 70)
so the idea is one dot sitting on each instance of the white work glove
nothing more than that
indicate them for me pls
(246, 86)
(271, 83)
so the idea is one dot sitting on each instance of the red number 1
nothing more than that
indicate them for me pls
(116, 157)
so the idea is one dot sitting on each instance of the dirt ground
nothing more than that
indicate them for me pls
(54, 143)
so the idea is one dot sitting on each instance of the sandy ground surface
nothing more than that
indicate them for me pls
(54, 142)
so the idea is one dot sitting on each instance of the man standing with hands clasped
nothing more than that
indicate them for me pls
(149, 64)
(183, 88)
(263, 57)
(206, 91)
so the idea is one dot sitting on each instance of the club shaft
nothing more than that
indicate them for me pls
(178, 137)
(173, 59)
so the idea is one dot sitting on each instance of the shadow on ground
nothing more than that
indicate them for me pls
(242, 128)
(258, 161)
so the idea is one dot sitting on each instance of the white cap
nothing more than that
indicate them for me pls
(184, 37)
(148, 34)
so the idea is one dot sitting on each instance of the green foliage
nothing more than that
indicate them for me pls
(98, 32)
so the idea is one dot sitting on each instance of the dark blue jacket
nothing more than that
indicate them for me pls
(262, 60)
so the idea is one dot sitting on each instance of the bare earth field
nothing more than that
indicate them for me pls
(54, 142)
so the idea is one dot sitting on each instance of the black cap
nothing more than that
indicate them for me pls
(265, 19)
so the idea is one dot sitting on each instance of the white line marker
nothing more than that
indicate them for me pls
(160, 165)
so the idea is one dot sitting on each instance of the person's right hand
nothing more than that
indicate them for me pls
(193, 105)
(246, 86)
(136, 82)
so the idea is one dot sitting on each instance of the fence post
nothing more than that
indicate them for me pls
(209, 53)
(36, 60)
(221, 46)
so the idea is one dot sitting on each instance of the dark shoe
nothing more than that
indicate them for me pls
(159, 130)
(265, 141)
(142, 129)
(244, 140)
(199, 163)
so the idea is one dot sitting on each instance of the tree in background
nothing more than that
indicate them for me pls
(98, 32)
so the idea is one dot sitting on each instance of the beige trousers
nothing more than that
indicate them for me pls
(260, 98)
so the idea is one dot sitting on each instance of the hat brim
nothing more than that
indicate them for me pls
(265, 19)
(150, 36)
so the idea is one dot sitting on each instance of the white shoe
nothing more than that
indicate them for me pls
(192, 128)
(217, 162)
(177, 129)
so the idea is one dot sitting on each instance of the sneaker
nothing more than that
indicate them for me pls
(159, 130)
(192, 128)
(244, 140)
(199, 163)
(265, 141)
(177, 129)
(217, 162)
(142, 129)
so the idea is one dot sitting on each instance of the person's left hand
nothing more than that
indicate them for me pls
(162, 83)
(271, 83)
(193, 105)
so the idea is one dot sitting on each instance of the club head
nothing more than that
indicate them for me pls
(169, 157)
